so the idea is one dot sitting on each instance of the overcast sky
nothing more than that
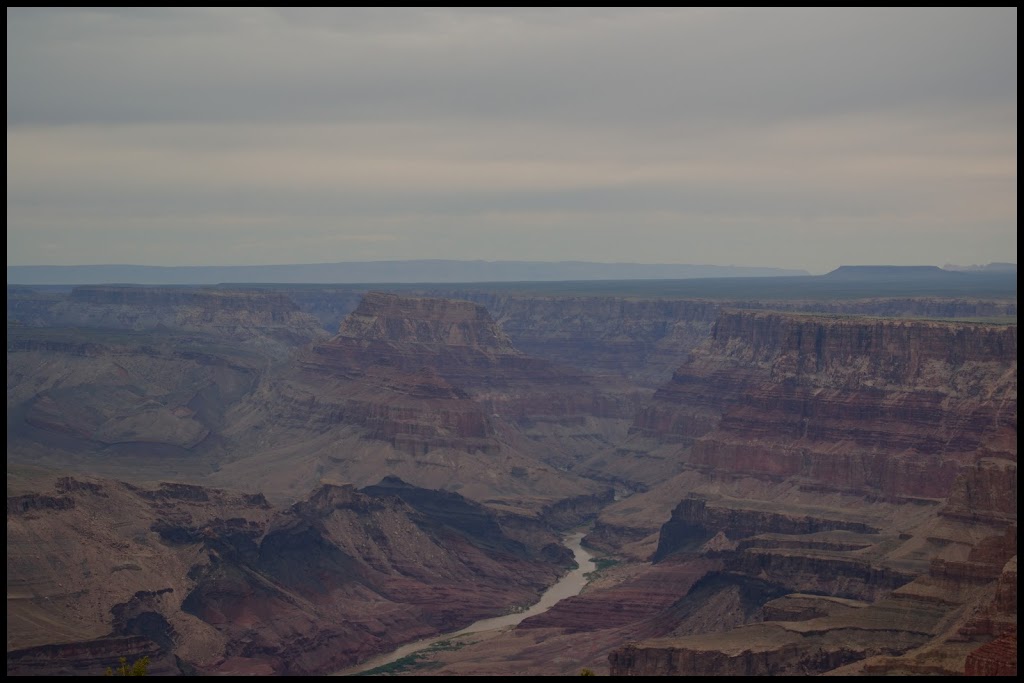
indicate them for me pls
(804, 138)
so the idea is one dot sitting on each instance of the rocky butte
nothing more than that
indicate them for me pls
(211, 479)
(434, 391)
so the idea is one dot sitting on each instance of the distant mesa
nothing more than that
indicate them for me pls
(908, 273)
(888, 273)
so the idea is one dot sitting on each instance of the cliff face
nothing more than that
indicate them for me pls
(202, 580)
(891, 407)
(640, 339)
(433, 391)
(855, 351)
(646, 339)
(870, 461)
(457, 340)
(399, 320)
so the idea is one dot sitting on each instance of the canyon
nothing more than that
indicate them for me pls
(292, 480)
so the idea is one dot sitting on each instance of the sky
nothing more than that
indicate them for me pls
(796, 138)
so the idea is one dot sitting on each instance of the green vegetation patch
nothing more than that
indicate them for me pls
(417, 661)
(600, 564)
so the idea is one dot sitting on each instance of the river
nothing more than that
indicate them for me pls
(569, 585)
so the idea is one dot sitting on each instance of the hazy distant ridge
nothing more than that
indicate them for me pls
(379, 271)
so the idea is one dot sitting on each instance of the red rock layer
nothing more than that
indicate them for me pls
(882, 406)
(627, 603)
(430, 373)
(998, 658)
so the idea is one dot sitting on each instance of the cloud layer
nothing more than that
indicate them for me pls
(793, 138)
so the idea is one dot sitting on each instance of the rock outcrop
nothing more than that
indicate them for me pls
(204, 581)
(431, 390)
(892, 408)
(870, 461)
(997, 658)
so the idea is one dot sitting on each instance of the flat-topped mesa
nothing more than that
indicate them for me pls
(457, 341)
(410, 381)
(400, 320)
(869, 273)
(860, 404)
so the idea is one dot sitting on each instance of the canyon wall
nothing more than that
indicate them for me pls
(434, 391)
(869, 462)
(892, 408)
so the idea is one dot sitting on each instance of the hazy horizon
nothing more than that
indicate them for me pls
(788, 138)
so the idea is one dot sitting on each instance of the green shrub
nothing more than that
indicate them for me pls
(138, 668)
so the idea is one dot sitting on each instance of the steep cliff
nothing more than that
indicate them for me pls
(883, 406)
(642, 340)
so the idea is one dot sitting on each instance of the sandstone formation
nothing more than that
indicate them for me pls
(997, 658)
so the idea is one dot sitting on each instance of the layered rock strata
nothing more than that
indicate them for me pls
(434, 391)
(872, 462)
(892, 408)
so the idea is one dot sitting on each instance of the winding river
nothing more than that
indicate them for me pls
(569, 585)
